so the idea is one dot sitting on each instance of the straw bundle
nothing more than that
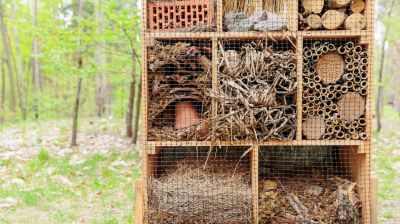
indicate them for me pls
(195, 192)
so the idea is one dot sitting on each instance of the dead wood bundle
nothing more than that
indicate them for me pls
(312, 201)
(334, 89)
(178, 72)
(332, 14)
(256, 93)
(196, 191)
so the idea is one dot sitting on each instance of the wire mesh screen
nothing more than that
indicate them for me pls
(257, 111)
(335, 79)
(332, 14)
(200, 185)
(257, 88)
(309, 185)
(179, 81)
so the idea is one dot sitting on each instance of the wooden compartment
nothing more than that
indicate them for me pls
(335, 88)
(328, 184)
(256, 103)
(259, 15)
(179, 81)
(335, 14)
(182, 15)
(199, 185)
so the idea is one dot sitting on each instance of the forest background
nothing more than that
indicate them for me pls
(70, 109)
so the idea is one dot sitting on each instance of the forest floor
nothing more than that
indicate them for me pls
(43, 180)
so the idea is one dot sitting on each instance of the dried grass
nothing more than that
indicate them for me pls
(251, 6)
(196, 191)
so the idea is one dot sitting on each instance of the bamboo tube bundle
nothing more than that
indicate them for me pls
(332, 14)
(335, 86)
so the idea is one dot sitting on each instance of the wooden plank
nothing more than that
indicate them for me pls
(278, 35)
(266, 143)
(299, 99)
(254, 181)
(144, 108)
(292, 15)
(220, 16)
(139, 213)
(333, 33)
(214, 83)
(374, 201)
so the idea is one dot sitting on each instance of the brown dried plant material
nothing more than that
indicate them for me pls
(309, 200)
(256, 93)
(200, 191)
(178, 72)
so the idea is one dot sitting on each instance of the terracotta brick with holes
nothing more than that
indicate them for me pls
(174, 15)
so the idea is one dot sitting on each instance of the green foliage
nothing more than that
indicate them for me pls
(110, 28)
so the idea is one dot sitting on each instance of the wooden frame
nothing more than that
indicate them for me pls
(363, 157)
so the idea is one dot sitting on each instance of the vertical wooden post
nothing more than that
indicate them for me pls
(254, 180)
(139, 201)
(299, 54)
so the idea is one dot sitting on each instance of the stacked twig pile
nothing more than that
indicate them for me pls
(332, 14)
(201, 192)
(178, 72)
(256, 93)
(334, 90)
(312, 201)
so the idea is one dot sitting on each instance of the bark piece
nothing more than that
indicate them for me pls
(330, 68)
(314, 127)
(335, 4)
(314, 21)
(351, 106)
(357, 6)
(332, 19)
(355, 21)
(313, 6)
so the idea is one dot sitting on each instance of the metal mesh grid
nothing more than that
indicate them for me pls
(310, 184)
(261, 113)
(188, 182)
(335, 82)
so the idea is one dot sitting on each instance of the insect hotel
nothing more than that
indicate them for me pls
(256, 111)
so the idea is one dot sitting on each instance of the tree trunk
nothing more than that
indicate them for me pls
(137, 112)
(102, 97)
(35, 62)
(78, 83)
(131, 102)
(3, 90)
(76, 112)
(379, 97)
(7, 56)
(19, 64)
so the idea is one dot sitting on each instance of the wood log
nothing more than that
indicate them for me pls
(313, 6)
(336, 4)
(314, 21)
(332, 19)
(355, 21)
(357, 6)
